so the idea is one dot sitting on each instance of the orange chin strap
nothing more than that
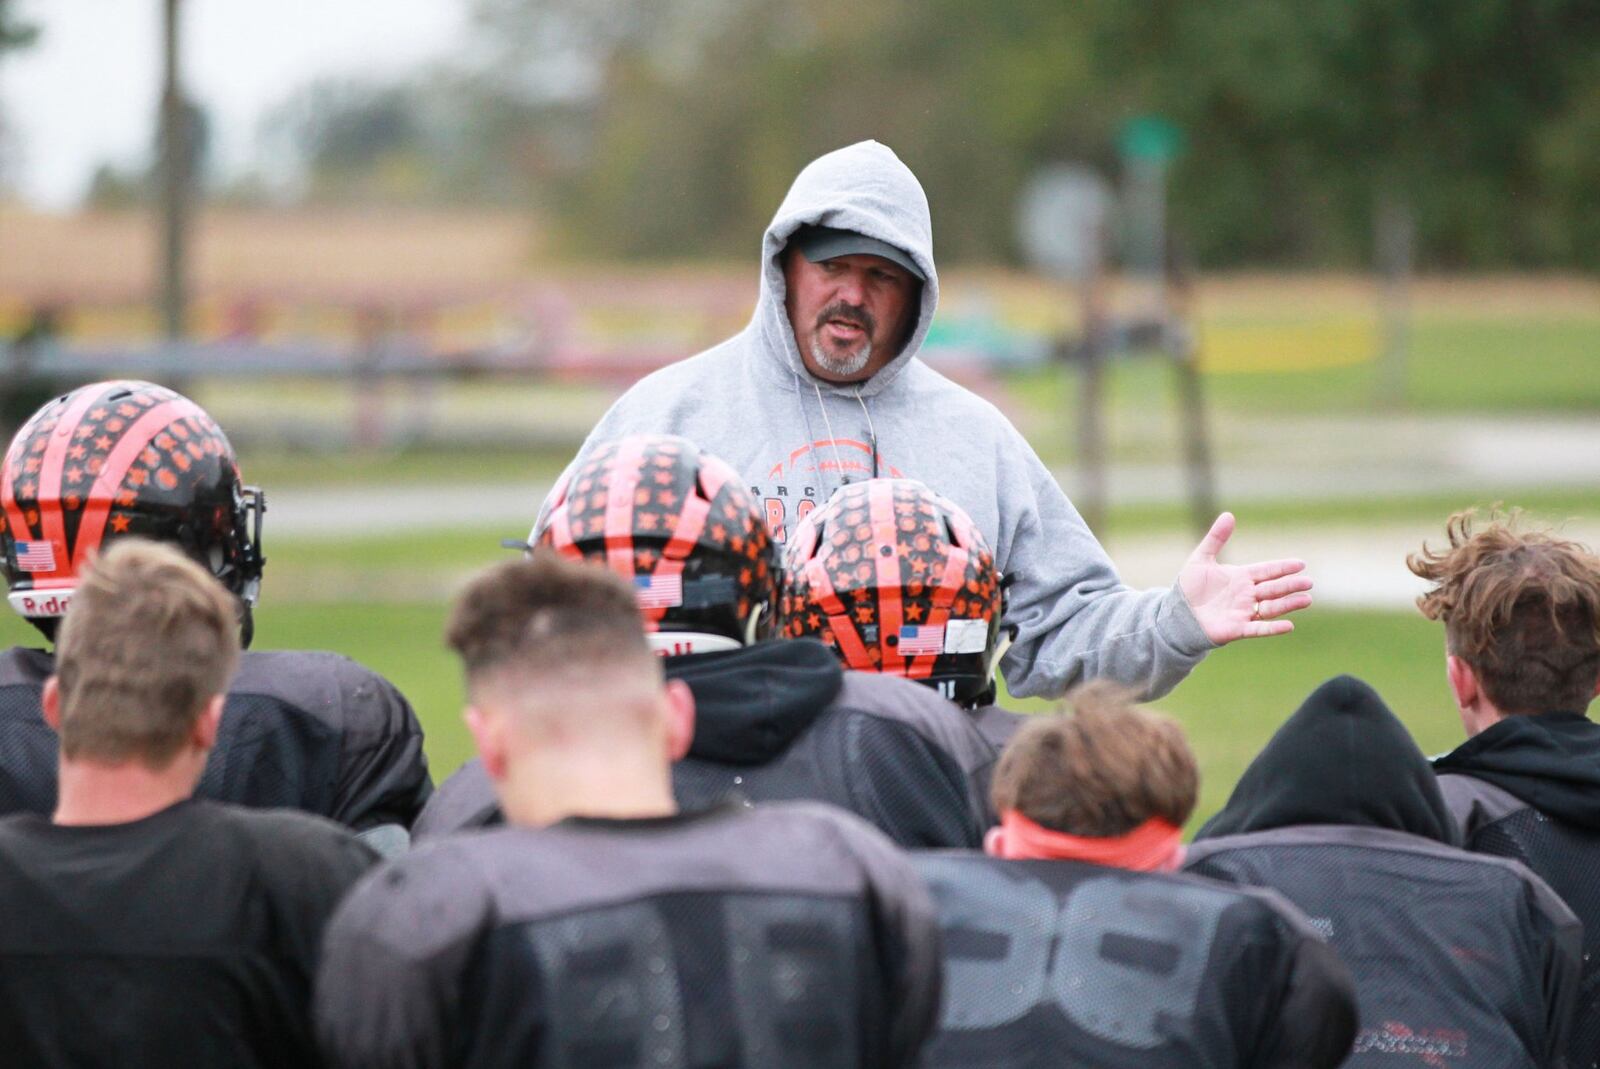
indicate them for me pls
(1153, 846)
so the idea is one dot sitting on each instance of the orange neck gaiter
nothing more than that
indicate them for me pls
(1153, 846)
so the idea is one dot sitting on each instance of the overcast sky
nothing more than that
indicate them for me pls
(86, 91)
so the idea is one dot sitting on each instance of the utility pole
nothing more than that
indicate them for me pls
(175, 152)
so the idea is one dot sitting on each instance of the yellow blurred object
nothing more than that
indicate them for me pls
(1287, 346)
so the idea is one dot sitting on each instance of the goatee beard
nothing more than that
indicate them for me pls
(848, 364)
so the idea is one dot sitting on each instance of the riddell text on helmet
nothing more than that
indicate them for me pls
(40, 603)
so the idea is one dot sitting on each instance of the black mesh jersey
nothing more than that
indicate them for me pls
(188, 938)
(301, 730)
(889, 750)
(1459, 959)
(785, 936)
(1565, 856)
(1060, 963)
(997, 725)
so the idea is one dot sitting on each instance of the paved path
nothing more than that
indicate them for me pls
(1299, 459)
(1353, 567)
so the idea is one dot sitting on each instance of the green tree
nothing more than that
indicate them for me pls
(671, 128)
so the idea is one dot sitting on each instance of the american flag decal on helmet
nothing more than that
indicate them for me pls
(658, 591)
(36, 556)
(920, 640)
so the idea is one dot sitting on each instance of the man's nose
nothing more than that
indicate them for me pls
(852, 288)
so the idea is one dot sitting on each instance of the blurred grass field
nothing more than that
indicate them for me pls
(1230, 705)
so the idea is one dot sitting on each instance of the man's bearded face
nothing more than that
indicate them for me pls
(849, 314)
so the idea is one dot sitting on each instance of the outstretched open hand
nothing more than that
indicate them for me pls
(1241, 600)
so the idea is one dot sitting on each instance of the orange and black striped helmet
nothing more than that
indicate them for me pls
(679, 523)
(899, 580)
(117, 459)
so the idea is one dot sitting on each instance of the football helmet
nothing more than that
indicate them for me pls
(119, 459)
(898, 580)
(679, 524)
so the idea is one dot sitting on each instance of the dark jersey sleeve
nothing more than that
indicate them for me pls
(997, 725)
(1314, 1022)
(916, 765)
(465, 800)
(909, 936)
(28, 746)
(1562, 945)
(1476, 804)
(906, 785)
(383, 772)
(310, 864)
(388, 988)
(318, 732)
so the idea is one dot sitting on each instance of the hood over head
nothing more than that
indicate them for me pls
(752, 703)
(1551, 762)
(1342, 758)
(862, 187)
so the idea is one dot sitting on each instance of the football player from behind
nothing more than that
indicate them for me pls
(1521, 611)
(776, 720)
(1072, 943)
(150, 928)
(1459, 959)
(307, 730)
(897, 579)
(607, 925)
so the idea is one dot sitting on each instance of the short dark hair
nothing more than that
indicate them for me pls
(547, 615)
(1522, 608)
(149, 639)
(1102, 769)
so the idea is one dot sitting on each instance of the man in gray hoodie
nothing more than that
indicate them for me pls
(824, 387)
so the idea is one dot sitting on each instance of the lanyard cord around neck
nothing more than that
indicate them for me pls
(872, 432)
(834, 442)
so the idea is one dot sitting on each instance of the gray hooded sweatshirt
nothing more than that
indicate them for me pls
(796, 439)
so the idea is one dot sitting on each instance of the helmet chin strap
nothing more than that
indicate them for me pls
(1006, 636)
(678, 643)
(753, 623)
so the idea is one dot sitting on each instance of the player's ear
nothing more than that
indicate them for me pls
(488, 734)
(1463, 680)
(204, 733)
(680, 718)
(50, 703)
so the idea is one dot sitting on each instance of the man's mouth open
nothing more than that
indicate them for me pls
(845, 330)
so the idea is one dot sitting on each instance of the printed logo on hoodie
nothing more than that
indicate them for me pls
(809, 473)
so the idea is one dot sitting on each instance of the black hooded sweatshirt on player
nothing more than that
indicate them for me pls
(1528, 788)
(301, 730)
(1342, 758)
(781, 721)
(1465, 959)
